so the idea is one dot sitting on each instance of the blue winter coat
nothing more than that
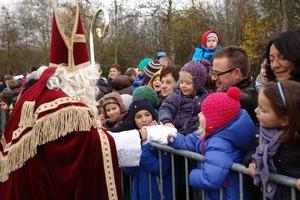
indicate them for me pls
(222, 149)
(182, 111)
(150, 163)
(204, 53)
(139, 81)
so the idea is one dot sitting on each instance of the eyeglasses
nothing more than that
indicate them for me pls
(278, 60)
(217, 75)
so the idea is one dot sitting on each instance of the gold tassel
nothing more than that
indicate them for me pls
(27, 118)
(46, 129)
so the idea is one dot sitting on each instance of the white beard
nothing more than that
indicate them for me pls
(79, 84)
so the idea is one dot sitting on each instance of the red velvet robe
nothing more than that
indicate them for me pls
(53, 149)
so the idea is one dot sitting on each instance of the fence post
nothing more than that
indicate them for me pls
(3, 120)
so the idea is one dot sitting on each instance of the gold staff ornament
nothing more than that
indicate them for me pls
(100, 33)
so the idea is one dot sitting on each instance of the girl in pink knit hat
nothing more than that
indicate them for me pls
(225, 134)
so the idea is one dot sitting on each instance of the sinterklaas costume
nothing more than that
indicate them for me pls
(53, 147)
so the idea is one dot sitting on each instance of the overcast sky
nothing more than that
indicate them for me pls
(105, 2)
(6, 1)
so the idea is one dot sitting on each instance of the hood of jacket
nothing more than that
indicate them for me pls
(239, 131)
(121, 82)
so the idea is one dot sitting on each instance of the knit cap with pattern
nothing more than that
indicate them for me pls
(150, 69)
(148, 93)
(220, 108)
(198, 72)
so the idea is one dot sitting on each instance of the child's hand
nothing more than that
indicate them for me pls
(169, 125)
(4, 107)
(251, 170)
(298, 184)
(154, 123)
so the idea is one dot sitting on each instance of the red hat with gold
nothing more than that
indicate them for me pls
(69, 51)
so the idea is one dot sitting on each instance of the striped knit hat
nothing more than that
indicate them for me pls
(150, 69)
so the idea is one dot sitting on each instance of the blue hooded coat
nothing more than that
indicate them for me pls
(202, 52)
(222, 148)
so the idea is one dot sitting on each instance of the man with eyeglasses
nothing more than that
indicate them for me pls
(231, 66)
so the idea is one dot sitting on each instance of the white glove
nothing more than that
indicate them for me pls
(161, 134)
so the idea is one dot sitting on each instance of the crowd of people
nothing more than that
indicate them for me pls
(11, 86)
(70, 129)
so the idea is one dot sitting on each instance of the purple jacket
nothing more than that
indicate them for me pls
(182, 111)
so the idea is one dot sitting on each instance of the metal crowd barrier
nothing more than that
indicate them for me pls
(3, 120)
(240, 169)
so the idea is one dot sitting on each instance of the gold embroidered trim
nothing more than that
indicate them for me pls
(69, 41)
(53, 105)
(46, 129)
(108, 166)
(79, 38)
(82, 65)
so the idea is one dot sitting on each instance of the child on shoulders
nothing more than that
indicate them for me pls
(210, 44)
